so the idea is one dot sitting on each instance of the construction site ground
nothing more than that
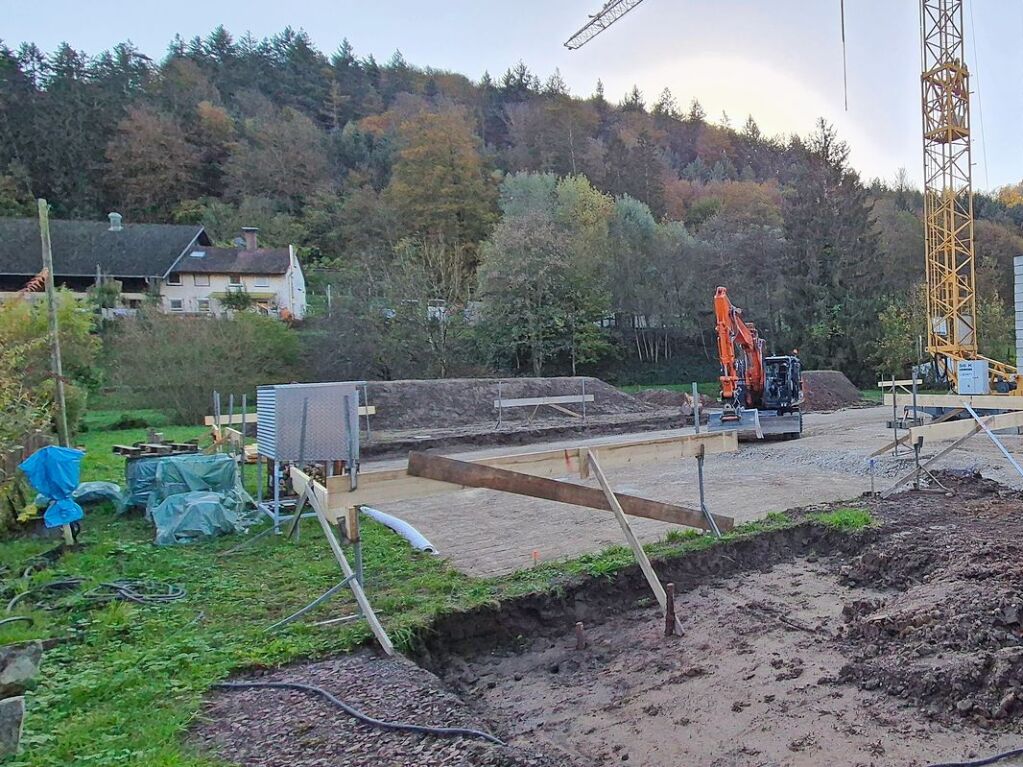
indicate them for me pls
(485, 533)
(896, 644)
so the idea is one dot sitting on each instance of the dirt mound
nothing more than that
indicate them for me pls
(669, 398)
(450, 402)
(951, 637)
(828, 390)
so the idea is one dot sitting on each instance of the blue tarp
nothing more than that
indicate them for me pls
(54, 471)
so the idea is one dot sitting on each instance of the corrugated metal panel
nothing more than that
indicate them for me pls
(266, 426)
(307, 421)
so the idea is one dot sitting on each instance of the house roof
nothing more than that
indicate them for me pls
(234, 261)
(137, 250)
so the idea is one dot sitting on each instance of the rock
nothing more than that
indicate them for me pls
(12, 713)
(965, 706)
(18, 664)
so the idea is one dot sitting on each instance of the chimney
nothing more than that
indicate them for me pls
(249, 233)
(115, 222)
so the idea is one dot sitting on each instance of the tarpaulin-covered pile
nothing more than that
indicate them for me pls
(189, 496)
(53, 472)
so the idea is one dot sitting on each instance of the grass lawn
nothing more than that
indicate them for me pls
(124, 682)
(709, 389)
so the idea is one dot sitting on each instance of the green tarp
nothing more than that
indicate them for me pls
(189, 496)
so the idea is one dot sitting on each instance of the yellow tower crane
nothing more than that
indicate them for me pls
(948, 186)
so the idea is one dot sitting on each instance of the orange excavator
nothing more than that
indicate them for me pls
(759, 395)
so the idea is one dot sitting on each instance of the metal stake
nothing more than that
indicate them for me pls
(242, 469)
(696, 407)
(895, 418)
(584, 399)
(701, 451)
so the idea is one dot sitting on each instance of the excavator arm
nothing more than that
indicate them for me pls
(741, 351)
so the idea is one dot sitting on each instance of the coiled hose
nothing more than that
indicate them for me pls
(444, 732)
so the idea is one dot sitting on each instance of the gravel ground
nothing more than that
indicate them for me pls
(287, 728)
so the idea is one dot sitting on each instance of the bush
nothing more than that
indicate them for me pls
(173, 364)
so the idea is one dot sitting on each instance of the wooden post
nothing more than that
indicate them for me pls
(669, 614)
(580, 636)
(637, 549)
(51, 300)
(55, 361)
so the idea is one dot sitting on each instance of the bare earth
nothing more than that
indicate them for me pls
(485, 533)
(898, 645)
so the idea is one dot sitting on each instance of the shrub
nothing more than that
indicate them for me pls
(173, 364)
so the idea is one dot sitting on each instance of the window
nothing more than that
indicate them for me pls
(261, 281)
(204, 305)
(177, 305)
(235, 280)
(173, 279)
(201, 280)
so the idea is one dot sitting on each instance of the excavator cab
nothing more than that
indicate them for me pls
(783, 384)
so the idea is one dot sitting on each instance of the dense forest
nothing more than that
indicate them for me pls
(492, 225)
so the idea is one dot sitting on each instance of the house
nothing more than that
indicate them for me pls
(201, 279)
(175, 265)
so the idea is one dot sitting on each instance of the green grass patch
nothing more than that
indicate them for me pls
(871, 395)
(708, 389)
(848, 520)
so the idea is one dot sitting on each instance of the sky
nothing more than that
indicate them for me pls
(779, 60)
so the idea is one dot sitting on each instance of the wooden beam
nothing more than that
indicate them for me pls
(978, 402)
(316, 492)
(566, 399)
(468, 474)
(902, 382)
(614, 502)
(904, 439)
(247, 418)
(387, 485)
(939, 432)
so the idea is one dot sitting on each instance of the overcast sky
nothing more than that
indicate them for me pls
(780, 60)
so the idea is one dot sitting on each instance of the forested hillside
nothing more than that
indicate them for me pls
(554, 233)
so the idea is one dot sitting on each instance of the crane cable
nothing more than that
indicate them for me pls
(845, 64)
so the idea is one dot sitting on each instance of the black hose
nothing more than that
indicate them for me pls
(447, 732)
(14, 619)
(140, 592)
(982, 762)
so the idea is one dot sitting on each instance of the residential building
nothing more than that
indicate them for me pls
(177, 266)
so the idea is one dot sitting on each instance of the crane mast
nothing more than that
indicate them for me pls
(948, 191)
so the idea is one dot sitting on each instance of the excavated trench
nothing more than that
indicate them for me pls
(899, 644)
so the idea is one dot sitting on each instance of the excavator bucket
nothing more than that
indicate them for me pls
(745, 421)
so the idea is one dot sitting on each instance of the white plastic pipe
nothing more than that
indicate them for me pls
(415, 538)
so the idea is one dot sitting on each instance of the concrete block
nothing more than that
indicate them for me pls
(18, 664)
(12, 716)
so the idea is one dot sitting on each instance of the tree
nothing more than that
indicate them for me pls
(282, 156)
(439, 186)
(832, 260)
(152, 165)
(24, 329)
